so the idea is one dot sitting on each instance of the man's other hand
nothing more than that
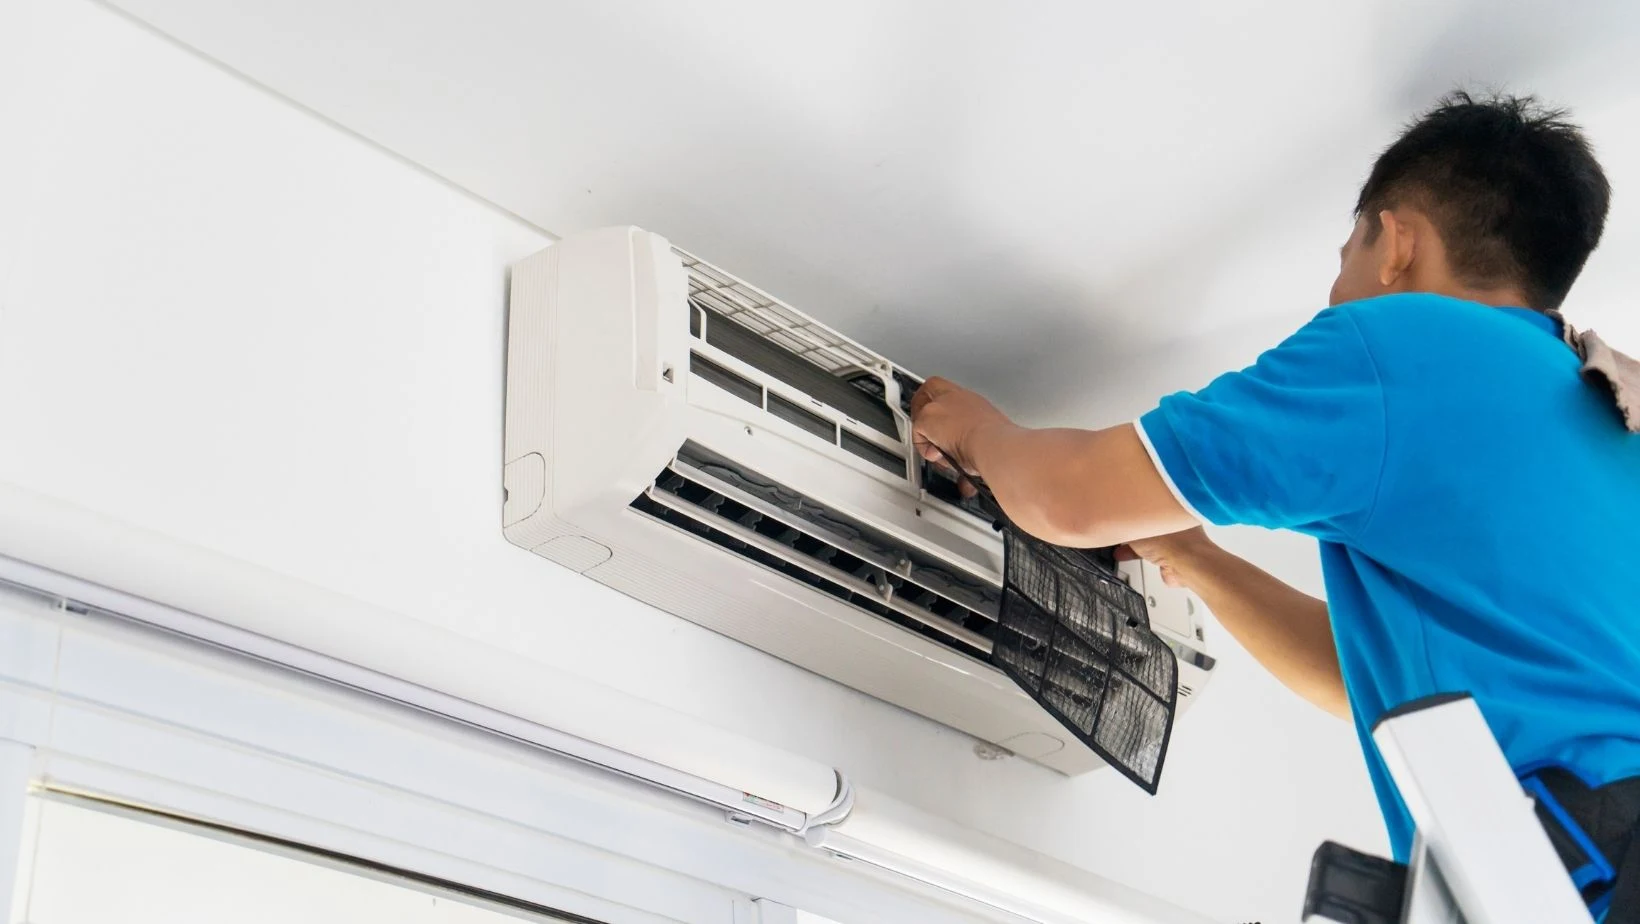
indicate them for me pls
(1288, 631)
(1175, 555)
(944, 417)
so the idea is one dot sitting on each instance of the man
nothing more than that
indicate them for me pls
(1475, 499)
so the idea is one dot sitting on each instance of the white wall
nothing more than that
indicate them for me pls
(230, 322)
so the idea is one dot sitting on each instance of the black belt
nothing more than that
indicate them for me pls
(1596, 832)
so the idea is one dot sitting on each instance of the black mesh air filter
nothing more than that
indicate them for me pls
(1078, 640)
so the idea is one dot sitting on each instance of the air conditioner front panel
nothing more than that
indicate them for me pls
(688, 440)
(770, 446)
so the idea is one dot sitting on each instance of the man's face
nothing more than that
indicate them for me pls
(1358, 264)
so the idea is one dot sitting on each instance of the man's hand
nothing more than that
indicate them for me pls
(944, 418)
(1077, 488)
(1175, 555)
(1289, 632)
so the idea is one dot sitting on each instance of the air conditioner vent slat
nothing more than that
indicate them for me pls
(778, 502)
(679, 499)
(810, 565)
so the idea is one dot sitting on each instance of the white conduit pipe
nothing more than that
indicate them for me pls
(77, 555)
(897, 837)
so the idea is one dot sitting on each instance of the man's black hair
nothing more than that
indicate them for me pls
(1513, 189)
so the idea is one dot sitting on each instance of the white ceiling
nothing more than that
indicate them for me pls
(1023, 196)
(1074, 206)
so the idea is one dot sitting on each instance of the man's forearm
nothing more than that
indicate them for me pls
(1079, 488)
(1288, 631)
(1099, 488)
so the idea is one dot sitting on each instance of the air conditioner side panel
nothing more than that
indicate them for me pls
(596, 349)
(531, 338)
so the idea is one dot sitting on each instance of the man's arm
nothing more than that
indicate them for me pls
(1298, 441)
(1093, 489)
(1286, 630)
(1078, 488)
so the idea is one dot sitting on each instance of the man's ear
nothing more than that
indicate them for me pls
(1397, 245)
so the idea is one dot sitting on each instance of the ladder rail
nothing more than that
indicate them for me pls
(1475, 822)
(1480, 857)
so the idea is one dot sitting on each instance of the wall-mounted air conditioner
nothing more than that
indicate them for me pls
(680, 436)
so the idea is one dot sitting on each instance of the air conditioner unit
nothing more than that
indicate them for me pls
(682, 437)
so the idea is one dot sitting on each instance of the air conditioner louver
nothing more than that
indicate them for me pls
(759, 519)
(750, 516)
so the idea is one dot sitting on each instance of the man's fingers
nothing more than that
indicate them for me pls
(936, 385)
(929, 447)
(930, 443)
(1126, 553)
(941, 461)
(931, 389)
(938, 458)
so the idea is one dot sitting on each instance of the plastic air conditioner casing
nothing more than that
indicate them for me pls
(684, 438)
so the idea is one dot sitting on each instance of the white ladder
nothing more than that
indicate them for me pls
(1480, 856)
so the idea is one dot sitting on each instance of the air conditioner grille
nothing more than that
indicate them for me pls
(767, 316)
(739, 386)
(876, 455)
(776, 359)
(790, 411)
(804, 419)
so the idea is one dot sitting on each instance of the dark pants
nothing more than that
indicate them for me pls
(1605, 860)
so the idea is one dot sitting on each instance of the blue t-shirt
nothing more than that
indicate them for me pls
(1478, 507)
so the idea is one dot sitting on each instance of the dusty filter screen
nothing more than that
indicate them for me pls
(1077, 639)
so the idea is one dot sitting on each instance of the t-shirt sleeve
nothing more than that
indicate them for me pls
(1296, 440)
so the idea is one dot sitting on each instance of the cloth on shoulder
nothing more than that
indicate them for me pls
(1602, 365)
